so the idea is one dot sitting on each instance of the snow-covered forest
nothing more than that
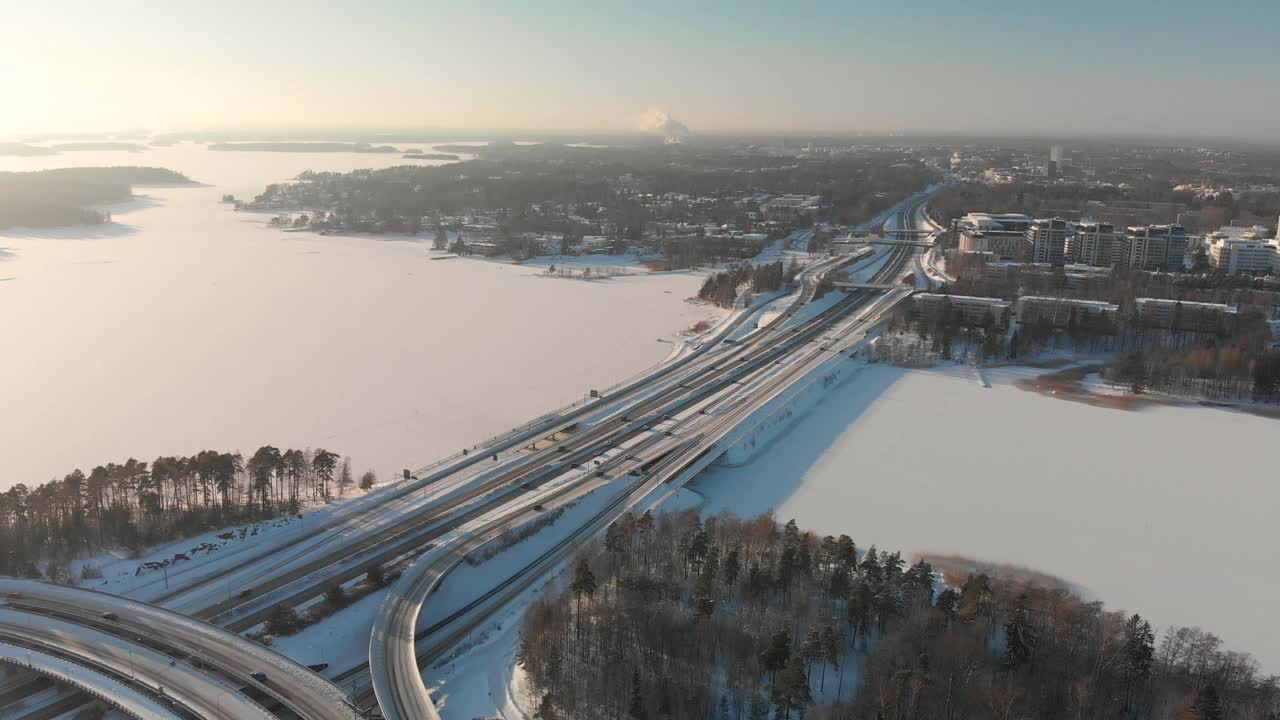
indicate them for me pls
(672, 616)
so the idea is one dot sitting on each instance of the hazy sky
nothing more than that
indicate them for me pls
(1086, 66)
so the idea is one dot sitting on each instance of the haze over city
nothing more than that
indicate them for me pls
(1081, 68)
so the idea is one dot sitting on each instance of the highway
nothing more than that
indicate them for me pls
(161, 676)
(95, 684)
(395, 662)
(630, 414)
(249, 663)
(649, 431)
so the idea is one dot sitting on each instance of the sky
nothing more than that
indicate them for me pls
(1133, 67)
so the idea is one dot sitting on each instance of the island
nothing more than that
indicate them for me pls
(429, 156)
(24, 150)
(327, 147)
(55, 198)
(90, 146)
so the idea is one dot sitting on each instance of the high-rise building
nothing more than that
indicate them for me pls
(1155, 247)
(1055, 154)
(1093, 243)
(1046, 241)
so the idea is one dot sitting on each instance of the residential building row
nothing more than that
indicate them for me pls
(1062, 313)
(1057, 242)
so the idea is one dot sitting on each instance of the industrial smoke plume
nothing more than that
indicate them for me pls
(671, 129)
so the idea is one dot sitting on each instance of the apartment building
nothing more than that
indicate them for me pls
(1056, 242)
(1249, 254)
(1002, 235)
(1176, 316)
(1060, 311)
(789, 207)
(972, 310)
(1155, 247)
(1094, 243)
(1046, 241)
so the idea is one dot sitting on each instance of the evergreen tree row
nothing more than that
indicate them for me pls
(671, 616)
(132, 505)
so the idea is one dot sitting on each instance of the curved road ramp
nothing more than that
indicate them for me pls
(123, 697)
(81, 625)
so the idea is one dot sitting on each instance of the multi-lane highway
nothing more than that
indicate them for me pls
(243, 661)
(634, 441)
(747, 386)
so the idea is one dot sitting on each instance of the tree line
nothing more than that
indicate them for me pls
(674, 616)
(722, 287)
(133, 505)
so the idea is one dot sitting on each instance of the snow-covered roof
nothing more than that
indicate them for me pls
(1098, 304)
(1220, 307)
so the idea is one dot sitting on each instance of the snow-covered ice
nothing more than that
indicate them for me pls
(186, 326)
(1167, 511)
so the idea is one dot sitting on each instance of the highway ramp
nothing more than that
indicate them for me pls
(251, 664)
(145, 669)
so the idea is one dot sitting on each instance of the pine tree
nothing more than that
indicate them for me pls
(810, 651)
(636, 708)
(830, 653)
(791, 688)
(1020, 636)
(732, 567)
(1138, 656)
(584, 583)
(1204, 706)
(775, 657)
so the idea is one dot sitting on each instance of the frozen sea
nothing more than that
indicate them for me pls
(1167, 511)
(185, 325)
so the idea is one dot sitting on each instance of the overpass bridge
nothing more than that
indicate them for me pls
(888, 241)
(867, 286)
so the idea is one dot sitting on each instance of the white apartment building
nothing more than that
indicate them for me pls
(1242, 232)
(972, 310)
(790, 206)
(1177, 315)
(1249, 254)
(1060, 311)
(1000, 234)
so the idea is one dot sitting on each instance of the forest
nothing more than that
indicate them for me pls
(54, 198)
(132, 505)
(722, 287)
(675, 616)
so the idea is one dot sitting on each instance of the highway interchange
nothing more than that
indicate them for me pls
(637, 443)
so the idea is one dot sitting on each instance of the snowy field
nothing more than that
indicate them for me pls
(185, 325)
(1167, 511)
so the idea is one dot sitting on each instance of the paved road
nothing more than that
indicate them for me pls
(119, 694)
(294, 686)
(394, 658)
(158, 675)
